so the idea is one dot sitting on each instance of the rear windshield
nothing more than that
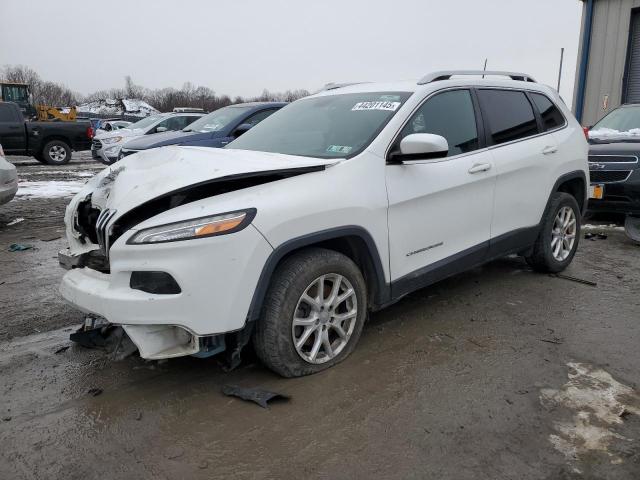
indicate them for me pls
(334, 126)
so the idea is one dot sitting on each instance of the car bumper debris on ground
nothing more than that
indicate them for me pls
(497, 373)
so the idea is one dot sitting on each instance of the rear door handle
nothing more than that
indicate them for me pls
(549, 150)
(480, 167)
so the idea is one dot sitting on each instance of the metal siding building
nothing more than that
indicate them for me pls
(608, 72)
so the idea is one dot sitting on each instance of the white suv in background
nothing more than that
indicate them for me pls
(106, 146)
(339, 204)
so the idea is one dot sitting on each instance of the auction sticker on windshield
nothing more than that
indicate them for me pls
(385, 106)
(339, 149)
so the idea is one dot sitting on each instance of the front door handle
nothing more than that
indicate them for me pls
(480, 167)
(549, 150)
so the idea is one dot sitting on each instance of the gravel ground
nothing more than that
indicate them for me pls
(498, 373)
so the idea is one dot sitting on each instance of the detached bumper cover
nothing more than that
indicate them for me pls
(217, 275)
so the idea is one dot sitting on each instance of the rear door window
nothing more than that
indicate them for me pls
(508, 114)
(551, 116)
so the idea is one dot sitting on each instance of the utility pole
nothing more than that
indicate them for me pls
(560, 72)
(485, 66)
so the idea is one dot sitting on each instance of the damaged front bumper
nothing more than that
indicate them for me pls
(216, 278)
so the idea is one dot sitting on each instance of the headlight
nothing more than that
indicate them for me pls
(112, 140)
(196, 228)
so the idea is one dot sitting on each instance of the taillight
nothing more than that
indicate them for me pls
(586, 132)
(90, 132)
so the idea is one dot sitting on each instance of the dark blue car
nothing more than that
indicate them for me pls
(213, 130)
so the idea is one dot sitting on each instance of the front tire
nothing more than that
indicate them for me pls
(559, 236)
(56, 152)
(38, 157)
(313, 315)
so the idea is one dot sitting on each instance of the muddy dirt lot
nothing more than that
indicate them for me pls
(498, 373)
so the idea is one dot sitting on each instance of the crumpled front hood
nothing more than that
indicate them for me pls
(153, 173)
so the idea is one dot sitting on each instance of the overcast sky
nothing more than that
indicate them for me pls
(240, 47)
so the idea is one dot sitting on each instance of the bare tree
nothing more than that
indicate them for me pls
(45, 93)
(164, 99)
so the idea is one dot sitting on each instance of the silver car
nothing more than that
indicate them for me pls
(8, 179)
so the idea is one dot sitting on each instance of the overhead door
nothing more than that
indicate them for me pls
(632, 91)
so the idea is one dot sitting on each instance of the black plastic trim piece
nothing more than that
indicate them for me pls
(383, 291)
(512, 242)
(399, 158)
(156, 283)
(564, 178)
(423, 277)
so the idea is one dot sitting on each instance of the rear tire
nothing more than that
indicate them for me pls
(559, 236)
(632, 228)
(304, 329)
(56, 152)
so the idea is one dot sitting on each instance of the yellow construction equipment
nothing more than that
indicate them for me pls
(46, 113)
(20, 93)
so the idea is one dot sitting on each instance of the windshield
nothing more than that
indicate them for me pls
(336, 126)
(145, 122)
(217, 120)
(623, 121)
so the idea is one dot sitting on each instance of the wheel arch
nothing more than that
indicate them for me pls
(575, 184)
(352, 241)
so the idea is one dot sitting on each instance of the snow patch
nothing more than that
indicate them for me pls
(15, 221)
(610, 132)
(611, 226)
(50, 189)
(599, 402)
(73, 173)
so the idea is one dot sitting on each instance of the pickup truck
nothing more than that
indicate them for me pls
(47, 142)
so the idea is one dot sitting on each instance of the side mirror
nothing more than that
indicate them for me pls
(420, 146)
(161, 129)
(241, 129)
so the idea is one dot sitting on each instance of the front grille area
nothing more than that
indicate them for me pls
(613, 159)
(102, 230)
(96, 144)
(609, 176)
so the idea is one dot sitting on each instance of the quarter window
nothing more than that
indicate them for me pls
(551, 115)
(450, 115)
(509, 115)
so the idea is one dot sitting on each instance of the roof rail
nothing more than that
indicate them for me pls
(334, 86)
(447, 74)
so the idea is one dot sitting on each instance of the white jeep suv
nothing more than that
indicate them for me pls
(339, 204)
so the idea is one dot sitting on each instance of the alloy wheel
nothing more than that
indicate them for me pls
(57, 153)
(324, 318)
(563, 234)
